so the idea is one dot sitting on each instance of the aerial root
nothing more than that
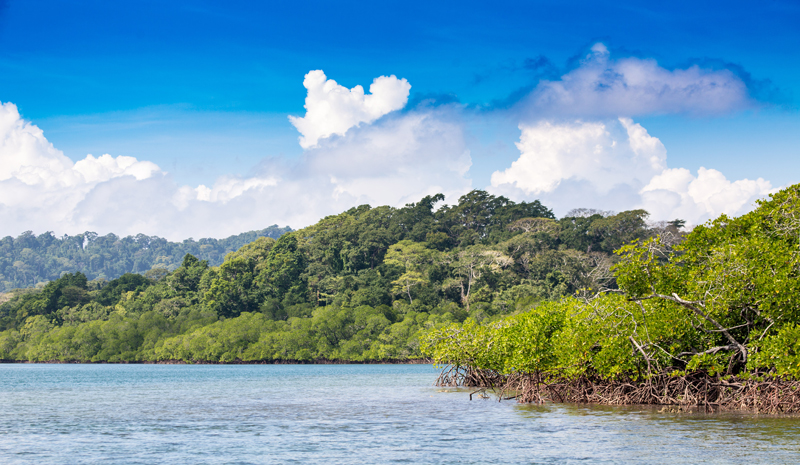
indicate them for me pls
(692, 391)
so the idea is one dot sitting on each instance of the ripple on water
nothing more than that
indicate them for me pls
(341, 414)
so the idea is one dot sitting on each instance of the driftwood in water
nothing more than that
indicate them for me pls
(697, 390)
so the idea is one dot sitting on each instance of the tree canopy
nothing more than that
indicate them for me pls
(28, 259)
(722, 300)
(361, 285)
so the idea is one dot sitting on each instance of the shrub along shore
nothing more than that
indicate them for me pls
(709, 321)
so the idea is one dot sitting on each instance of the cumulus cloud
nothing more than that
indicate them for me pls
(617, 165)
(39, 186)
(676, 193)
(579, 146)
(603, 87)
(379, 157)
(106, 167)
(606, 154)
(333, 109)
(397, 161)
(359, 149)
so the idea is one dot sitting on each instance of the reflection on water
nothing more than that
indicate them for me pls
(342, 414)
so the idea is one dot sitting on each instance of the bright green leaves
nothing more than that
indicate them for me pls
(410, 256)
(729, 293)
(281, 276)
(780, 351)
(406, 282)
(266, 269)
(609, 337)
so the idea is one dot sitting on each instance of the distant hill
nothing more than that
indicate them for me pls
(30, 259)
(361, 285)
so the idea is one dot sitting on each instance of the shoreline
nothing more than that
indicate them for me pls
(694, 391)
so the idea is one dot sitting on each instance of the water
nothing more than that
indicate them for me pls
(183, 414)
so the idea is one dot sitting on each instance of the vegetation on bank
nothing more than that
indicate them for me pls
(361, 285)
(29, 260)
(712, 318)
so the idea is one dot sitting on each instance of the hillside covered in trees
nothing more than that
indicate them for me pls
(28, 259)
(360, 285)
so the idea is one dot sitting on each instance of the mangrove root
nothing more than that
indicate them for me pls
(697, 390)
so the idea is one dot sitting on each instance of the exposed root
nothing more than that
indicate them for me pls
(695, 391)
(454, 375)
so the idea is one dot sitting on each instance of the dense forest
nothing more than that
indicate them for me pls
(29, 260)
(708, 319)
(361, 285)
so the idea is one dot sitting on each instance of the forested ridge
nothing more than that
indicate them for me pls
(29, 259)
(361, 285)
(708, 320)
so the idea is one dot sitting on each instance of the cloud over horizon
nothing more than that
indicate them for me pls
(607, 154)
(578, 147)
(39, 186)
(617, 165)
(377, 157)
(602, 86)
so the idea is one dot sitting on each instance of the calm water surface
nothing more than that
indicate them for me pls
(184, 414)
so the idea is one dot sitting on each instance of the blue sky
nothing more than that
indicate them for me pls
(199, 93)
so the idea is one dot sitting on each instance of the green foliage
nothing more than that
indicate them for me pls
(724, 299)
(231, 291)
(781, 350)
(361, 285)
(111, 292)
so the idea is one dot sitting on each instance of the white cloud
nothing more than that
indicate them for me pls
(106, 167)
(39, 186)
(399, 160)
(25, 154)
(576, 150)
(604, 87)
(617, 165)
(333, 109)
(380, 156)
(676, 193)
(606, 154)
(394, 159)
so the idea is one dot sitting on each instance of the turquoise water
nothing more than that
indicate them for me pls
(184, 414)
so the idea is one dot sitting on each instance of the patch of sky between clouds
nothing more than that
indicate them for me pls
(491, 137)
(736, 145)
(195, 147)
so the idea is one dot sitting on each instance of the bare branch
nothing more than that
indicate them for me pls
(639, 348)
(712, 350)
(693, 307)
